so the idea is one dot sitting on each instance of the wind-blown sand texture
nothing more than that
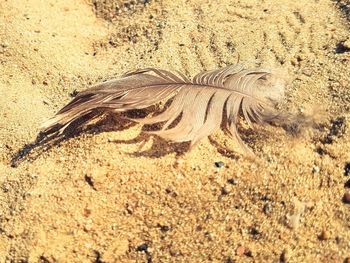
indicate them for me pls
(110, 195)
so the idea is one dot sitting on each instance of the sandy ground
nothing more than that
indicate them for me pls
(104, 196)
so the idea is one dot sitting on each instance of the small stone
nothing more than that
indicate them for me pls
(249, 253)
(240, 251)
(325, 235)
(87, 212)
(45, 82)
(164, 228)
(74, 93)
(232, 181)
(347, 43)
(225, 190)
(175, 253)
(209, 236)
(347, 184)
(347, 169)
(267, 208)
(347, 260)
(346, 198)
(4, 44)
(315, 169)
(88, 227)
(256, 234)
(142, 247)
(285, 256)
(338, 240)
(342, 47)
(219, 164)
(90, 181)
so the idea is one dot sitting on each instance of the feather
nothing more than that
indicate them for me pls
(199, 107)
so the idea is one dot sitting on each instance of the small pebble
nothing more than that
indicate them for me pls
(240, 251)
(315, 169)
(347, 44)
(347, 169)
(342, 47)
(225, 190)
(267, 208)
(175, 253)
(87, 228)
(74, 93)
(338, 240)
(87, 212)
(346, 198)
(164, 228)
(325, 235)
(142, 247)
(347, 184)
(4, 44)
(347, 260)
(285, 256)
(90, 181)
(219, 164)
(232, 181)
(255, 232)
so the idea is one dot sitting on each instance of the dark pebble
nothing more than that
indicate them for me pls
(346, 198)
(347, 169)
(98, 257)
(338, 240)
(44, 259)
(255, 233)
(347, 184)
(325, 235)
(90, 181)
(341, 48)
(284, 258)
(232, 181)
(164, 228)
(74, 93)
(219, 164)
(224, 191)
(142, 247)
(248, 253)
(265, 198)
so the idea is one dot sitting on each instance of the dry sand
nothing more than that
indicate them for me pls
(104, 196)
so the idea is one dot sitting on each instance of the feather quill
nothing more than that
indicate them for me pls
(199, 107)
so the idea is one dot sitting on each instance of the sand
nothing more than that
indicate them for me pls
(105, 195)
